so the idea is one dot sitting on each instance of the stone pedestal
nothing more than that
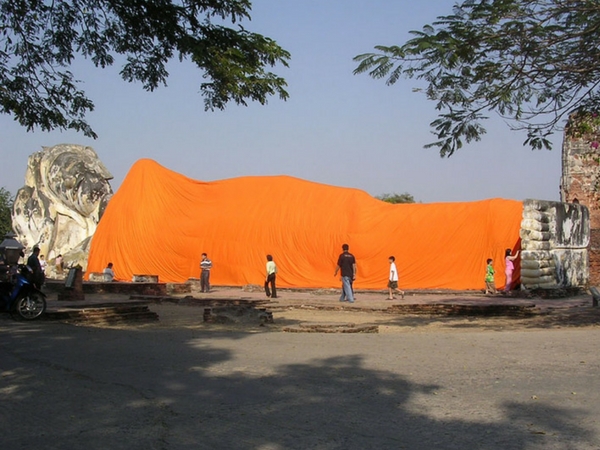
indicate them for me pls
(100, 277)
(144, 278)
(73, 285)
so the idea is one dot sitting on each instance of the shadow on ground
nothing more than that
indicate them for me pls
(578, 317)
(74, 387)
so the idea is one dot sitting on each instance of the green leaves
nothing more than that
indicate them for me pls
(533, 62)
(6, 202)
(39, 40)
(235, 62)
(396, 198)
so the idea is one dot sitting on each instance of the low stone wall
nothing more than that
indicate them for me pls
(178, 288)
(114, 287)
(194, 284)
(554, 245)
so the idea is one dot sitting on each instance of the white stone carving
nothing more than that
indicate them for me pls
(66, 191)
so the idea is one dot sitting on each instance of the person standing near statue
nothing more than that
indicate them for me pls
(59, 265)
(43, 264)
(347, 266)
(33, 263)
(109, 272)
(271, 276)
(509, 269)
(490, 285)
(205, 266)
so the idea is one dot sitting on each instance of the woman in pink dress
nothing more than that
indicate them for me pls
(510, 268)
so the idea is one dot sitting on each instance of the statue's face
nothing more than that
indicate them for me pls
(80, 183)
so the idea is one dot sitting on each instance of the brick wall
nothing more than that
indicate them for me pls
(580, 182)
(595, 257)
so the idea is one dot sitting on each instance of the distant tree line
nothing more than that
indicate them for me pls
(6, 203)
(396, 198)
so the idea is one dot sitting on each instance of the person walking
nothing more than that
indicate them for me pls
(509, 269)
(271, 276)
(205, 267)
(393, 279)
(490, 285)
(347, 266)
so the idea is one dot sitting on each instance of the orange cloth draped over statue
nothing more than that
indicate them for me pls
(159, 222)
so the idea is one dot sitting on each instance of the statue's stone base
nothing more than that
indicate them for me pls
(73, 286)
(144, 279)
(99, 277)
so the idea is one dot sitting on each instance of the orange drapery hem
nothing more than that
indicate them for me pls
(159, 222)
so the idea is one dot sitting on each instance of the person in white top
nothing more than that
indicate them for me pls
(109, 272)
(393, 280)
(43, 264)
(271, 276)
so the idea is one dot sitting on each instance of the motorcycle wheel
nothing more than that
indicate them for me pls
(31, 306)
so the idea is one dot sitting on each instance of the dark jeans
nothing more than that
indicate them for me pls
(205, 281)
(39, 279)
(273, 292)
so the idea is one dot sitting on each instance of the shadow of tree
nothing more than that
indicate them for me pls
(74, 387)
(550, 318)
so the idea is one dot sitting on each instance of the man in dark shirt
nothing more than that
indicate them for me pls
(34, 264)
(347, 265)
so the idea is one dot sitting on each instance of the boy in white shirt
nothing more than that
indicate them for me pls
(393, 279)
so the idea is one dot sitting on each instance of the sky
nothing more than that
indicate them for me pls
(336, 128)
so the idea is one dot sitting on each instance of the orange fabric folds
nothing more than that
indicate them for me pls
(159, 222)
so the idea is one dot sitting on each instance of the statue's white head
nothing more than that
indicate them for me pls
(76, 178)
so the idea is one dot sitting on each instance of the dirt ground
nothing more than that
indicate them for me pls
(421, 382)
(304, 309)
(558, 318)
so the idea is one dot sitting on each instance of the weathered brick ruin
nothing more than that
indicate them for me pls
(580, 183)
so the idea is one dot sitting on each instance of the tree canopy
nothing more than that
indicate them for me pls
(533, 62)
(39, 39)
(6, 202)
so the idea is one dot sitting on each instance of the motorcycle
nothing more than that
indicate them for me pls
(19, 296)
